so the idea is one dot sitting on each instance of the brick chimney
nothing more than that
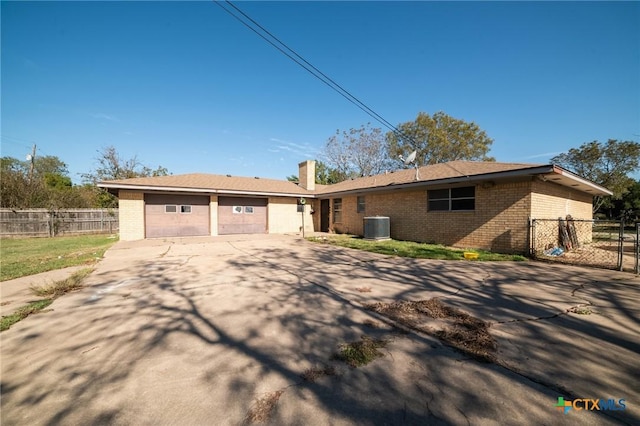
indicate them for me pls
(307, 174)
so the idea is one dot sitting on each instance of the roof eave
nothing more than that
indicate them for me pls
(548, 172)
(154, 188)
(579, 182)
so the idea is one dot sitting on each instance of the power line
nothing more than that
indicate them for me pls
(17, 141)
(306, 65)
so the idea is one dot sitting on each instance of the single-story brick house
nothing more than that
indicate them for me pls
(460, 203)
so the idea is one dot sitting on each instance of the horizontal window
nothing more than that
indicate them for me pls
(242, 209)
(452, 199)
(172, 208)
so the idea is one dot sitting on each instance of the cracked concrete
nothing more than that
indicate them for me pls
(206, 326)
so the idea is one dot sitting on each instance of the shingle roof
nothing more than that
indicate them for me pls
(435, 173)
(203, 181)
(432, 172)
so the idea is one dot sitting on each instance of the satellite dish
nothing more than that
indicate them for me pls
(28, 157)
(411, 158)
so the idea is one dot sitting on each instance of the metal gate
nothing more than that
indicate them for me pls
(601, 243)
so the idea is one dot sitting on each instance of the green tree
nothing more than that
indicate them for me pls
(325, 175)
(608, 164)
(43, 183)
(57, 181)
(628, 206)
(356, 152)
(438, 139)
(112, 166)
(49, 165)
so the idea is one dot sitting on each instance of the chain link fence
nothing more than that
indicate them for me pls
(600, 243)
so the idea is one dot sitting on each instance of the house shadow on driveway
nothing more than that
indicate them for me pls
(195, 331)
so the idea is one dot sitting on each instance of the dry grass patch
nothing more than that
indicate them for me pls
(313, 374)
(580, 310)
(51, 292)
(362, 352)
(432, 308)
(263, 408)
(462, 331)
(470, 336)
(58, 288)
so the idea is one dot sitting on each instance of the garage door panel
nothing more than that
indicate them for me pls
(238, 215)
(160, 223)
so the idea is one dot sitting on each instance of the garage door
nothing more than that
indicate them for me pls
(176, 215)
(242, 215)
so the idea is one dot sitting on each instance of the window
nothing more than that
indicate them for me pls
(185, 209)
(237, 210)
(337, 210)
(452, 199)
(170, 209)
(361, 204)
(248, 209)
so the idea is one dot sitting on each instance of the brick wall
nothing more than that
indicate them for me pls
(283, 216)
(307, 175)
(131, 215)
(499, 222)
(550, 201)
(352, 222)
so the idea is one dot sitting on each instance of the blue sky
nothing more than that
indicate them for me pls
(185, 86)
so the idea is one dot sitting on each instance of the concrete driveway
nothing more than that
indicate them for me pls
(205, 330)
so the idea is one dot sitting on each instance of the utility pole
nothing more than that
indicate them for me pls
(32, 157)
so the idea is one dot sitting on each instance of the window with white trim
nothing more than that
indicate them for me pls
(185, 209)
(170, 208)
(452, 199)
(337, 210)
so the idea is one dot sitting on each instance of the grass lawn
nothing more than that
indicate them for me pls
(411, 249)
(28, 256)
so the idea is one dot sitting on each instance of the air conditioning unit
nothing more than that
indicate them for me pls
(376, 228)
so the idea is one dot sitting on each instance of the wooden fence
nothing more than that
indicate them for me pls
(50, 223)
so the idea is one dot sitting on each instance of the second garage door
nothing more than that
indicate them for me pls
(238, 215)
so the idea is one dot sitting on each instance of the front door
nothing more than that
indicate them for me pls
(324, 215)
